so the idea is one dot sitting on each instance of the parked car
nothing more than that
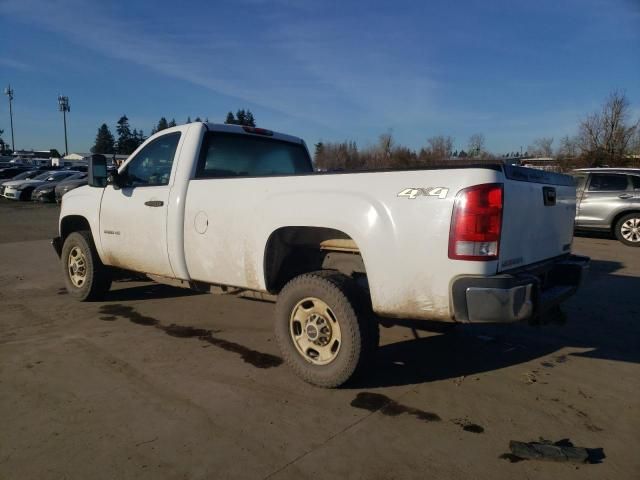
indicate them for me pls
(77, 168)
(240, 209)
(26, 175)
(69, 184)
(11, 171)
(47, 191)
(22, 189)
(608, 200)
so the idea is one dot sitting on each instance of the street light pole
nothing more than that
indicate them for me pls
(9, 93)
(63, 106)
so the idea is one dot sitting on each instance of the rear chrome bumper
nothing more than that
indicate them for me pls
(519, 295)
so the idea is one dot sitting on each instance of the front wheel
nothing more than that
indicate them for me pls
(324, 328)
(25, 195)
(85, 276)
(627, 229)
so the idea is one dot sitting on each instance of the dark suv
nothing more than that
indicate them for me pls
(608, 199)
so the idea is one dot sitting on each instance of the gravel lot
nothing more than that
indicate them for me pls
(157, 382)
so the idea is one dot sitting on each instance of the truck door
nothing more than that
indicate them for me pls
(133, 219)
(606, 193)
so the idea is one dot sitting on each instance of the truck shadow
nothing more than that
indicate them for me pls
(148, 291)
(601, 318)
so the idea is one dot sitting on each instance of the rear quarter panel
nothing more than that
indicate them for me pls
(403, 241)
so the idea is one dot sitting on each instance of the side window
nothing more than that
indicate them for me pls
(152, 165)
(635, 182)
(603, 182)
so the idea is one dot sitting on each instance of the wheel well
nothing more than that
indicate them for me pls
(73, 223)
(614, 222)
(292, 251)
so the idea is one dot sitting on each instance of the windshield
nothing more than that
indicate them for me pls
(42, 176)
(58, 176)
(24, 175)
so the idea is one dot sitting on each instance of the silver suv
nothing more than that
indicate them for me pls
(608, 199)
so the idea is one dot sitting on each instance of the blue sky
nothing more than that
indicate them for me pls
(512, 70)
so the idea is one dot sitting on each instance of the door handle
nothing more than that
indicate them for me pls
(154, 203)
(625, 195)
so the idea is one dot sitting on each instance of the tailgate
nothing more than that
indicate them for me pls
(538, 216)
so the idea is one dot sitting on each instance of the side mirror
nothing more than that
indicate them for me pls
(117, 180)
(97, 171)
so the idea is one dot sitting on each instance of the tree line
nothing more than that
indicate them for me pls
(129, 139)
(387, 154)
(606, 137)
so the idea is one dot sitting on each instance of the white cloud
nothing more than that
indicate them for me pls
(14, 64)
(292, 70)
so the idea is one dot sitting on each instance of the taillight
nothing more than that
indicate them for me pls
(476, 223)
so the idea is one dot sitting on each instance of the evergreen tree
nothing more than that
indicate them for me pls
(162, 124)
(319, 150)
(249, 120)
(197, 119)
(134, 141)
(188, 120)
(105, 143)
(124, 136)
(172, 123)
(241, 117)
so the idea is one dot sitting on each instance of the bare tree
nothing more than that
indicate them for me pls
(337, 156)
(476, 145)
(440, 147)
(605, 136)
(541, 147)
(569, 147)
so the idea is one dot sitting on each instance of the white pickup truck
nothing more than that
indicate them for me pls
(236, 209)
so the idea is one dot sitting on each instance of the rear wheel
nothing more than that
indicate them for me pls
(85, 276)
(324, 328)
(627, 229)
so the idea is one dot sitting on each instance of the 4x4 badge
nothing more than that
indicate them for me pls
(412, 193)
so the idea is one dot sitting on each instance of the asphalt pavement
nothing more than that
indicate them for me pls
(159, 382)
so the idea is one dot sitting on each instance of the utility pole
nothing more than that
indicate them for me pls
(9, 93)
(63, 106)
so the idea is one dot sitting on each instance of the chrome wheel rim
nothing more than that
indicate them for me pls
(630, 230)
(315, 331)
(77, 267)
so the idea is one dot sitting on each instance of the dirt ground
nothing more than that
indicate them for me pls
(157, 382)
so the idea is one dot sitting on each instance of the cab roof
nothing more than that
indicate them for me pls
(256, 131)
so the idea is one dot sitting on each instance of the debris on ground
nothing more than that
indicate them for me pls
(468, 426)
(560, 451)
(530, 377)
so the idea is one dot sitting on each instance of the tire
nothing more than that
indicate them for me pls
(313, 304)
(627, 229)
(25, 195)
(85, 276)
